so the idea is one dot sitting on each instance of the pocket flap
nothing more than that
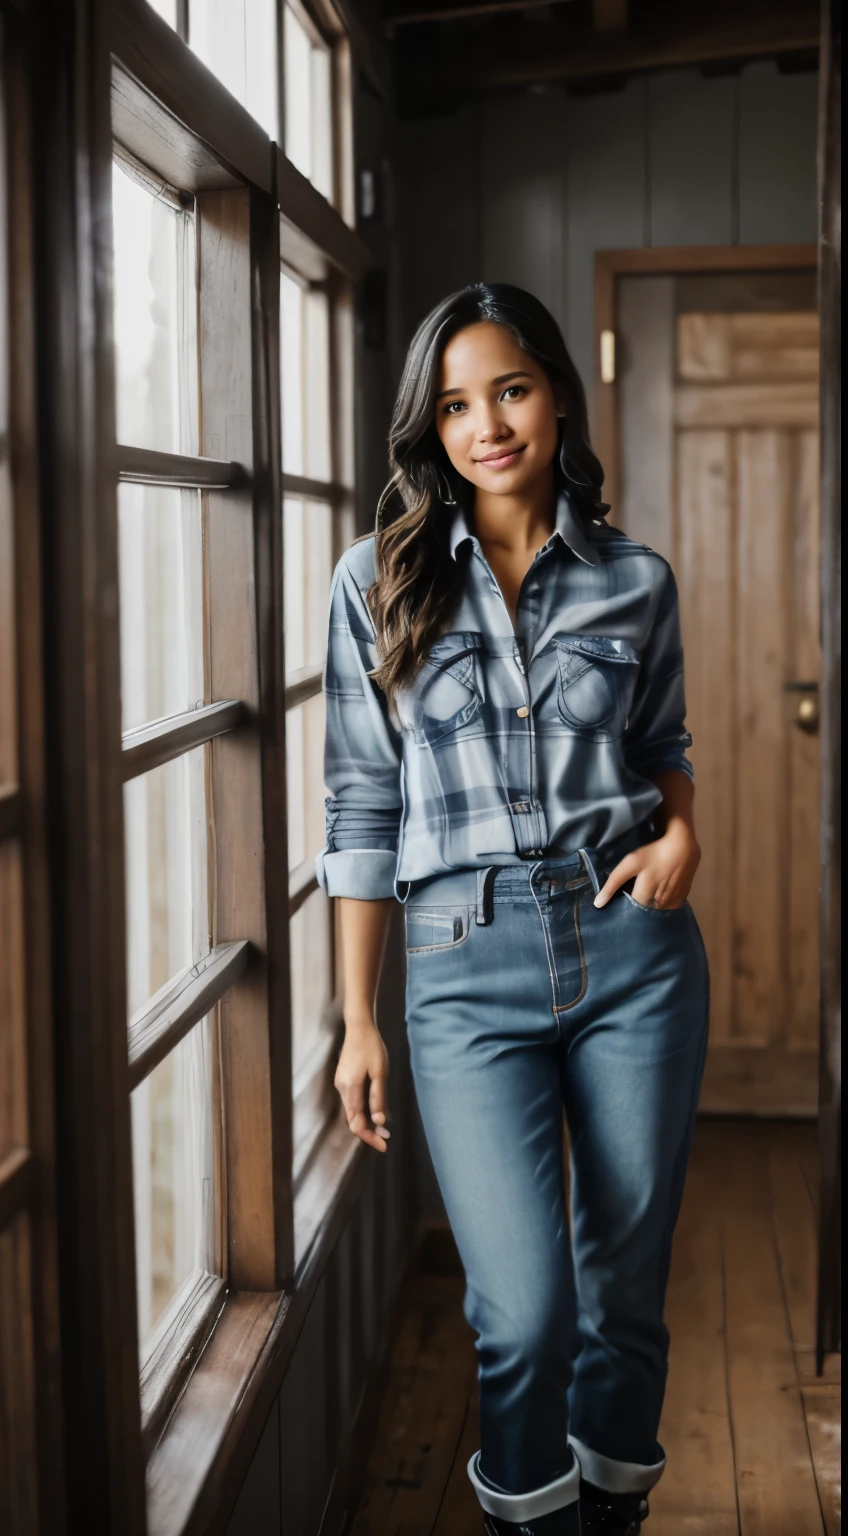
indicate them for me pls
(453, 647)
(599, 648)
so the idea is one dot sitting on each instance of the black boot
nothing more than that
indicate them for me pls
(611, 1514)
(563, 1522)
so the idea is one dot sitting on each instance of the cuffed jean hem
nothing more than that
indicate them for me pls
(516, 1507)
(616, 1476)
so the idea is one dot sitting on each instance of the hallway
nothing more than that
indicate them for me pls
(751, 1434)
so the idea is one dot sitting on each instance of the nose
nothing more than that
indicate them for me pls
(489, 425)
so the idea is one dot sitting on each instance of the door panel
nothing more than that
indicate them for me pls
(733, 408)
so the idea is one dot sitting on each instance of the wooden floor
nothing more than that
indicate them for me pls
(752, 1436)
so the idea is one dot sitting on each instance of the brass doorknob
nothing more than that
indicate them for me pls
(807, 716)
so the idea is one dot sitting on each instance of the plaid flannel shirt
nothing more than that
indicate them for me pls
(509, 742)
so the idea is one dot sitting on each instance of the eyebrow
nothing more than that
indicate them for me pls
(503, 378)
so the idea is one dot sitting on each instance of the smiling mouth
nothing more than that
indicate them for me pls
(501, 460)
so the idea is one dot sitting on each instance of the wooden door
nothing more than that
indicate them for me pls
(740, 478)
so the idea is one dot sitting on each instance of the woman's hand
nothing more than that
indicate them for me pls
(364, 1059)
(664, 870)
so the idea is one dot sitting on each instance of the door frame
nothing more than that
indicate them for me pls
(664, 261)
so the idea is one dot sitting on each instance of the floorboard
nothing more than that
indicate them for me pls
(751, 1434)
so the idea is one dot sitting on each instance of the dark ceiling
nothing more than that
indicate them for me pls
(445, 50)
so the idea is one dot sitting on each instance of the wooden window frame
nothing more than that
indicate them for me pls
(118, 74)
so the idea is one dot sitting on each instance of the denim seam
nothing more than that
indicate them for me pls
(652, 911)
(442, 949)
(584, 971)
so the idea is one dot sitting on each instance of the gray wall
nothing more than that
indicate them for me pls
(525, 188)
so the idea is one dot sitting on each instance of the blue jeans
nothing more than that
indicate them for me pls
(524, 999)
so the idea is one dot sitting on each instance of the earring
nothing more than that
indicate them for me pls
(446, 497)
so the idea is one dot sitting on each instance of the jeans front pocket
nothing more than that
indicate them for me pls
(597, 680)
(436, 929)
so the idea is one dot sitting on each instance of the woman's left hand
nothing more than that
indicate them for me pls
(664, 870)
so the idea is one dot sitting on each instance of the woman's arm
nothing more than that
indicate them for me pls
(364, 1058)
(664, 869)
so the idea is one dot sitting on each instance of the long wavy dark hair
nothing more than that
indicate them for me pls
(417, 582)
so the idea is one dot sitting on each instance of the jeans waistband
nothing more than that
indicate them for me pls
(513, 882)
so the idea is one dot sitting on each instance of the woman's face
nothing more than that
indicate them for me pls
(496, 412)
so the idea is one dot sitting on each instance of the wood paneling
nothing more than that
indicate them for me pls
(19, 1493)
(747, 405)
(702, 556)
(759, 666)
(804, 752)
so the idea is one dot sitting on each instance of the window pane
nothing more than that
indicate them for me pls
(291, 372)
(175, 1179)
(166, 891)
(305, 772)
(237, 39)
(167, 9)
(305, 378)
(160, 554)
(155, 319)
(309, 104)
(308, 562)
(311, 972)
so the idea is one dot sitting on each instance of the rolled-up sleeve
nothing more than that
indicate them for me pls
(656, 739)
(362, 758)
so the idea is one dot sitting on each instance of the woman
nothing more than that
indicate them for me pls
(506, 754)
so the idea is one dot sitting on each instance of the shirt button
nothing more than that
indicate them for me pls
(523, 712)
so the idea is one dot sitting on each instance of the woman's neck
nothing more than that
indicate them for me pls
(517, 525)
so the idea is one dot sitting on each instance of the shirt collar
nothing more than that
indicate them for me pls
(567, 526)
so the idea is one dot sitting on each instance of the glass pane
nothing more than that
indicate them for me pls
(316, 328)
(298, 57)
(167, 9)
(175, 1181)
(308, 564)
(166, 892)
(155, 319)
(309, 104)
(305, 772)
(291, 373)
(305, 379)
(237, 39)
(322, 122)
(160, 553)
(311, 973)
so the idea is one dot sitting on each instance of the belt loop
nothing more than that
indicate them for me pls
(485, 895)
(589, 865)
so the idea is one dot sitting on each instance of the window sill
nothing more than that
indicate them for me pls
(196, 1469)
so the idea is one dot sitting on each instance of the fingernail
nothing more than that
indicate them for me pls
(597, 902)
(381, 1131)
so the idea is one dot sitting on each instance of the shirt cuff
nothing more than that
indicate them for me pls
(366, 874)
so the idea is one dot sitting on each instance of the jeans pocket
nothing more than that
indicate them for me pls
(597, 680)
(436, 929)
(653, 911)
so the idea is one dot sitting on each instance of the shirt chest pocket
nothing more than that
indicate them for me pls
(446, 694)
(597, 681)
